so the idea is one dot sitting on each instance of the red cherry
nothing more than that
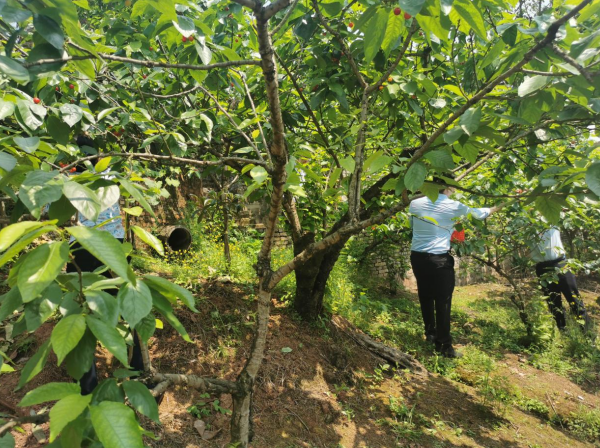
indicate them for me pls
(231, 84)
(407, 16)
(397, 11)
(300, 90)
(71, 86)
(72, 170)
(230, 16)
(236, 39)
(144, 76)
(57, 89)
(72, 101)
(151, 48)
(62, 164)
(36, 100)
(191, 38)
(351, 24)
(183, 39)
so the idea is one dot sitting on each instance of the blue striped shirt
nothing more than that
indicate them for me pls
(433, 222)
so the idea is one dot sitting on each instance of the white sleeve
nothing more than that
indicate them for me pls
(478, 213)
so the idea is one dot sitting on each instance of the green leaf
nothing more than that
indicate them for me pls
(549, 208)
(7, 441)
(104, 306)
(469, 16)
(135, 302)
(149, 239)
(413, 7)
(105, 248)
(66, 335)
(80, 360)
(35, 364)
(27, 144)
(164, 307)
(38, 189)
(184, 25)
(259, 174)
(71, 114)
(6, 109)
(24, 242)
(26, 116)
(592, 178)
(49, 392)
(374, 34)
(415, 176)
(141, 399)
(116, 425)
(376, 162)
(14, 70)
(65, 411)
(102, 164)
(83, 199)
(469, 121)
(531, 84)
(49, 30)
(7, 162)
(432, 191)
(469, 151)
(395, 28)
(9, 303)
(38, 311)
(171, 291)
(145, 328)
(110, 338)
(133, 211)
(13, 232)
(108, 196)
(440, 158)
(104, 113)
(348, 164)
(137, 195)
(41, 267)
(453, 135)
(203, 51)
(109, 390)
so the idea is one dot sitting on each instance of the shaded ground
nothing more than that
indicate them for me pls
(326, 392)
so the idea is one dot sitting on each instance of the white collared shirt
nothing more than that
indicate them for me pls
(550, 246)
(433, 222)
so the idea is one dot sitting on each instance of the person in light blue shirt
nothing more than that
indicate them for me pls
(433, 266)
(549, 254)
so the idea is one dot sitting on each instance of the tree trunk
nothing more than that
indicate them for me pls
(226, 250)
(311, 278)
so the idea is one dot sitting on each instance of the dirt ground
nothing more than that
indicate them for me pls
(325, 392)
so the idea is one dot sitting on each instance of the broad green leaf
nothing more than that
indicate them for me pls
(348, 164)
(83, 199)
(24, 242)
(9, 303)
(164, 307)
(549, 208)
(66, 335)
(141, 399)
(106, 112)
(109, 390)
(149, 239)
(105, 248)
(65, 411)
(592, 178)
(259, 174)
(413, 7)
(80, 360)
(376, 162)
(116, 425)
(27, 144)
(38, 189)
(108, 196)
(203, 51)
(110, 338)
(469, 121)
(393, 33)
(374, 34)
(49, 30)
(133, 211)
(135, 302)
(469, 16)
(468, 151)
(171, 291)
(102, 164)
(40, 268)
(453, 135)
(24, 114)
(415, 176)
(432, 191)
(184, 25)
(137, 195)
(7, 441)
(531, 84)
(14, 70)
(35, 364)
(7, 162)
(103, 305)
(440, 158)
(71, 114)
(38, 311)
(146, 327)
(11, 233)
(49, 392)
(6, 109)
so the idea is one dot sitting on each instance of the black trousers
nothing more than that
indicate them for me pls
(88, 263)
(567, 285)
(435, 282)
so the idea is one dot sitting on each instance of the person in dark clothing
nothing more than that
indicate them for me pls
(549, 253)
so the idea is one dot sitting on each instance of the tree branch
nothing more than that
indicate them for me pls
(201, 384)
(36, 419)
(569, 60)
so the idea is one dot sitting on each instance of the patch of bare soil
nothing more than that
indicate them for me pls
(325, 392)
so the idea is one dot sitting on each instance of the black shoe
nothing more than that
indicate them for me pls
(430, 338)
(449, 352)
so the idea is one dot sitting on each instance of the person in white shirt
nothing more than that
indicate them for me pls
(549, 253)
(433, 266)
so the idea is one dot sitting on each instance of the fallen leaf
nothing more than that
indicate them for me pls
(200, 427)
(210, 434)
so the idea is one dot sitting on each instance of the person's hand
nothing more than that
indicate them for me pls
(495, 208)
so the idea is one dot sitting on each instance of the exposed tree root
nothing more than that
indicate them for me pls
(389, 354)
(202, 384)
